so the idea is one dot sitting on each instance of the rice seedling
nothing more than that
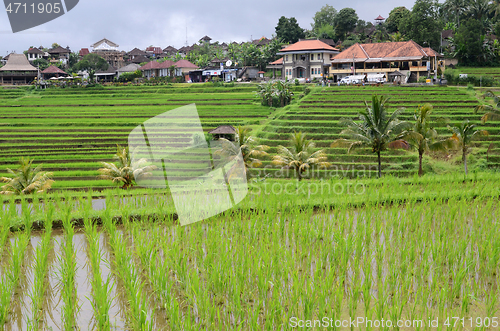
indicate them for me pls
(10, 279)
(139, 316)
(101, 289)
(67, 275)
(40, 269)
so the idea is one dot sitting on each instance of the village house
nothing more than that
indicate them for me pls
(407, 57)
(83, 52)
(17, 70)
(170, 51)
(60, 54)
(136, 52)
(154, 52)
(108, 50)
(34, 54)
(305, 59)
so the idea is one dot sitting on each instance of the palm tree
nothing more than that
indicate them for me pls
(495, 7)
(27, 180)
(376, 130)
(301, 155)
(127, 171)
(463, 134)
(422, 136)
(492, 113)
(247, 144)
(456, 7)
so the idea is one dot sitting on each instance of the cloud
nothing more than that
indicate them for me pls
(161, 23)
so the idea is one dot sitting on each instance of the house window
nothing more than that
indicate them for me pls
(312, 71)
(286, 58)
(312, 57)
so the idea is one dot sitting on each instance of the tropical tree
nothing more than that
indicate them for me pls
(251, 151)
(377, 129)
(463, 134)
(301, 155)
(275, 93)
(422, 136)
(491, 113)
(127, 171)
(26, 180)
(288, 30)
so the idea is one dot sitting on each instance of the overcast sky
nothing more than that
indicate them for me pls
(161, 23)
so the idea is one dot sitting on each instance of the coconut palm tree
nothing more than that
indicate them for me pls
(301, 155)
(127, 171)
(248, 145)
(422, 136)
(491, 113)
(463, 134)
(27, 180)
(376, 130)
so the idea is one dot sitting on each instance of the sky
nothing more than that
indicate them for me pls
(162, 23)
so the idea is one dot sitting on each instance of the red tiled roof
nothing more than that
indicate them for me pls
(402, 49)
(151, 65)
(154, 50)
(185, 64)
(278, 61)
(167, 64)
(379, 18)
(84, 51)
(53, 70)
(308, 45)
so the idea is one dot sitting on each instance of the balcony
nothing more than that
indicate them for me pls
(418, 68)
(301, 63)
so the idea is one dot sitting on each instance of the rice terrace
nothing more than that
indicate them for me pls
(319, 242)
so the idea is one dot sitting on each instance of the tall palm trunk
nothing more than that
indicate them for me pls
(420, 170)
(379, 165)
(464, 159)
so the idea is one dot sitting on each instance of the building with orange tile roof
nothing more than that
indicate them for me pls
(305, 59)
(407, 57)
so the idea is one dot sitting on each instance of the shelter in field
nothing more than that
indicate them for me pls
(17, 70)
(53, 71)
(407, 57)
(397, 77)
(224, 131)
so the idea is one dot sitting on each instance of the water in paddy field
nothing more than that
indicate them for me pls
(21, 304)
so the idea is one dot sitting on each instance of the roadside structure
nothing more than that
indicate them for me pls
(407, 57)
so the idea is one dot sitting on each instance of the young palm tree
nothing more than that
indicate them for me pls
(26, 180)
(247, 144)
(422, 136)
(491, 113)
(301, 155)
(463, 134)
(376, 130)
(127, 171)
